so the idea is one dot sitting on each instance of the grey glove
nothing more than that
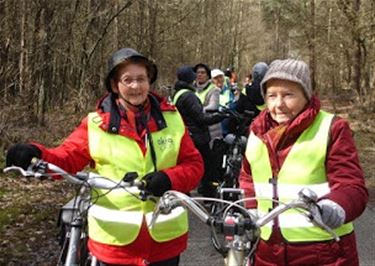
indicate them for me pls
(333, 215)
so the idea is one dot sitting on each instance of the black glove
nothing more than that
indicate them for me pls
(216, 118)
(221, 115)
(157, 183)
(21, 155)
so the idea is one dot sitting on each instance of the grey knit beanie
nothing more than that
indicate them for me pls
(292, 70)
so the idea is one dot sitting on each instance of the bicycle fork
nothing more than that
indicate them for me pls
(72, 257)
(236, 252)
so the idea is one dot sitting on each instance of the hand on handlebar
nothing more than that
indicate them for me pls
(157, 183)
(220, 116)
(332, 214)
(22, 154)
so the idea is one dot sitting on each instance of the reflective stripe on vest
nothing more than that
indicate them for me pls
(178, 94)
(202, 94)
(116, 217)
(304, 167)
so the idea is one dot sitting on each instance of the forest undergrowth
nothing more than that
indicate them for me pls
(29, 208)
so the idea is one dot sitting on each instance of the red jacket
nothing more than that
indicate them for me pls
(73, 155)
(345, 178)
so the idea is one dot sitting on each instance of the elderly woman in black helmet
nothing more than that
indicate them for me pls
(131, 130)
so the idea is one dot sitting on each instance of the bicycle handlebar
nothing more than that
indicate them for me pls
(39, 167)
(232, 113)
(306, 203)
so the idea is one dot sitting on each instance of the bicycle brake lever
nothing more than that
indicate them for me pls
(154, 217)
(160, 208)
(308, 196)
(25, 173)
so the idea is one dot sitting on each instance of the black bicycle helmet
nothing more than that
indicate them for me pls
(124, 54)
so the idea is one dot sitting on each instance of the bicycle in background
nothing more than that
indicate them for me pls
(233, 148)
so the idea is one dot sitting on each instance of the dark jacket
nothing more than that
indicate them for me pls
(253, 96)
(191, 110)
(252, 99)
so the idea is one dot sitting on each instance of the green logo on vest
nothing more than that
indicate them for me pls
(165, 143)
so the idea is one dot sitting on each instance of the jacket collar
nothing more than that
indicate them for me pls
(108, 105)
(263, 123)
(180, 84)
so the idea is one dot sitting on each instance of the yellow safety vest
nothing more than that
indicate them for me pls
(225, 98)
(304, 167)
(178, 94)
(115, 218)
(202, 94)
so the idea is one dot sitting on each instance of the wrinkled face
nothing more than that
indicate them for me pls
(202, 75)
(218, 81)
(284, 99)
(132, 84)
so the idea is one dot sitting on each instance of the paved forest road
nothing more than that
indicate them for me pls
(365, 232)
(200, 251)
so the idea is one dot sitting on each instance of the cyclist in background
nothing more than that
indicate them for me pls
(209, 96)
(293, 144)
(227, 96)
(132, 130)
(197, 121)
(252, 99)
(231, 76)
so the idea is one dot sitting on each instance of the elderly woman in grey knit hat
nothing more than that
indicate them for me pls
(293, 144)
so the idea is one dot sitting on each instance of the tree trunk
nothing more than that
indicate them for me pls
(41, 95)
(21, 64)
(312, 55)
(152, 14)
(357, 50)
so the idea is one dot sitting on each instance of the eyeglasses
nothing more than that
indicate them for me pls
(127, 81)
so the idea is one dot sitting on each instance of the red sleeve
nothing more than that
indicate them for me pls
(345, 175)
(246, 183)
(185, 176)
(73, 154)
